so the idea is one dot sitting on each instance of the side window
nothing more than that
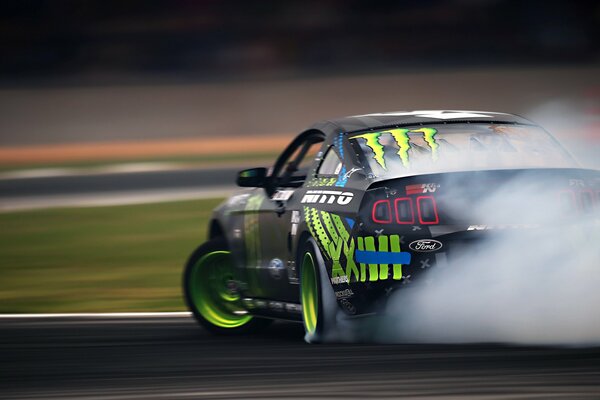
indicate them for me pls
(309, 157)
(295, 167)
(331, 164)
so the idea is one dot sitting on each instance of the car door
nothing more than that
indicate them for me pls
(274, 270)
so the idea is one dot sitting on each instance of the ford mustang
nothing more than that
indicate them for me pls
(359, 207)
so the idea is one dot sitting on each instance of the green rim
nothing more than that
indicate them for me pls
(310, 294)
(210, 294)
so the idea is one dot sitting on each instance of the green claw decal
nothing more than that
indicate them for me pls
(402, 139)
(252, 236)
(373, 142)
(429, 137)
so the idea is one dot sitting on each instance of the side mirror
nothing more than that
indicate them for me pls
(253, 177)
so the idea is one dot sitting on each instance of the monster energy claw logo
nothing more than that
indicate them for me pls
(402, 139)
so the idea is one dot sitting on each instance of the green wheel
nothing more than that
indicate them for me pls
(208, 292)
(310, 294)
(319, 307)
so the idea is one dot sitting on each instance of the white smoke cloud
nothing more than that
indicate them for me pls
(536, 286)
(575, 123)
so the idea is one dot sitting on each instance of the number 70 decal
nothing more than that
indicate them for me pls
(402, 138)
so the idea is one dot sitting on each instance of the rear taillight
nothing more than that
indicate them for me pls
(567, 200)
(427, 210)
(382, 212)
(587, 201)
(403, 211)
(579, 201)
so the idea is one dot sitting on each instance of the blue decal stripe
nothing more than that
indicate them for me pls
(381, 257)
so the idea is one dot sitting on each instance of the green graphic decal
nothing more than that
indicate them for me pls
(402, 139)
(380, 271)
(429, 137)
(373, 142)
(315, 182)
(333, 239)
(252, 237)
(252, 233)
(336, 244)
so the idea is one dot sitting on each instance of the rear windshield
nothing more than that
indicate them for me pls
(400, 152)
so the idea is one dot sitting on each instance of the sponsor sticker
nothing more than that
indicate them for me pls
(349, 307)
(293, 308)
(425, 245)
(283, 195)
(327, 197)
(513, 226)
(276, 305)
(576, 182)
(344, 294)
(295, 217)
(260, 303)
(276, 268)
(291, 272)
(336, 280)
(421, 188)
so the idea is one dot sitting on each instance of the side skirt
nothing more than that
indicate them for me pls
(273, 309)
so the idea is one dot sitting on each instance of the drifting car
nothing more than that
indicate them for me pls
(357, 208)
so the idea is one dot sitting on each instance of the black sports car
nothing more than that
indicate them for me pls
(359, 207)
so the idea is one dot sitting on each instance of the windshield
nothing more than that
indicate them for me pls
(400, 152)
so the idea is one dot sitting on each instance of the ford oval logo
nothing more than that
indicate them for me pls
(425, 245)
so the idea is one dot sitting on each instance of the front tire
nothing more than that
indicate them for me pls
(208, 294)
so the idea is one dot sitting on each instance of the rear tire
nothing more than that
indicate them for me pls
(205, 285)
(319, 306)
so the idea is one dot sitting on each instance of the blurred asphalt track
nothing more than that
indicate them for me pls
(172, 357)
(115, 188)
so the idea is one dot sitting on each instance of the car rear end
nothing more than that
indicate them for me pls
(408, 225)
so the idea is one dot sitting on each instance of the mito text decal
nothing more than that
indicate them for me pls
(327, 197)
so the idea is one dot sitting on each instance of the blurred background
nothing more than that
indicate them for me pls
(122, 123)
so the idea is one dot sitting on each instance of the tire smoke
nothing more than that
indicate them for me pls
(533, 284)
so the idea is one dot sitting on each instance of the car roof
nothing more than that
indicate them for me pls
(398, 118)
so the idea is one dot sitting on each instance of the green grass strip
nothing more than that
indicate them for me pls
(105, 259)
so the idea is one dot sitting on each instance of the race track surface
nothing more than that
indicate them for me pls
(115, 188)
(115, 183)
(155, 358)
